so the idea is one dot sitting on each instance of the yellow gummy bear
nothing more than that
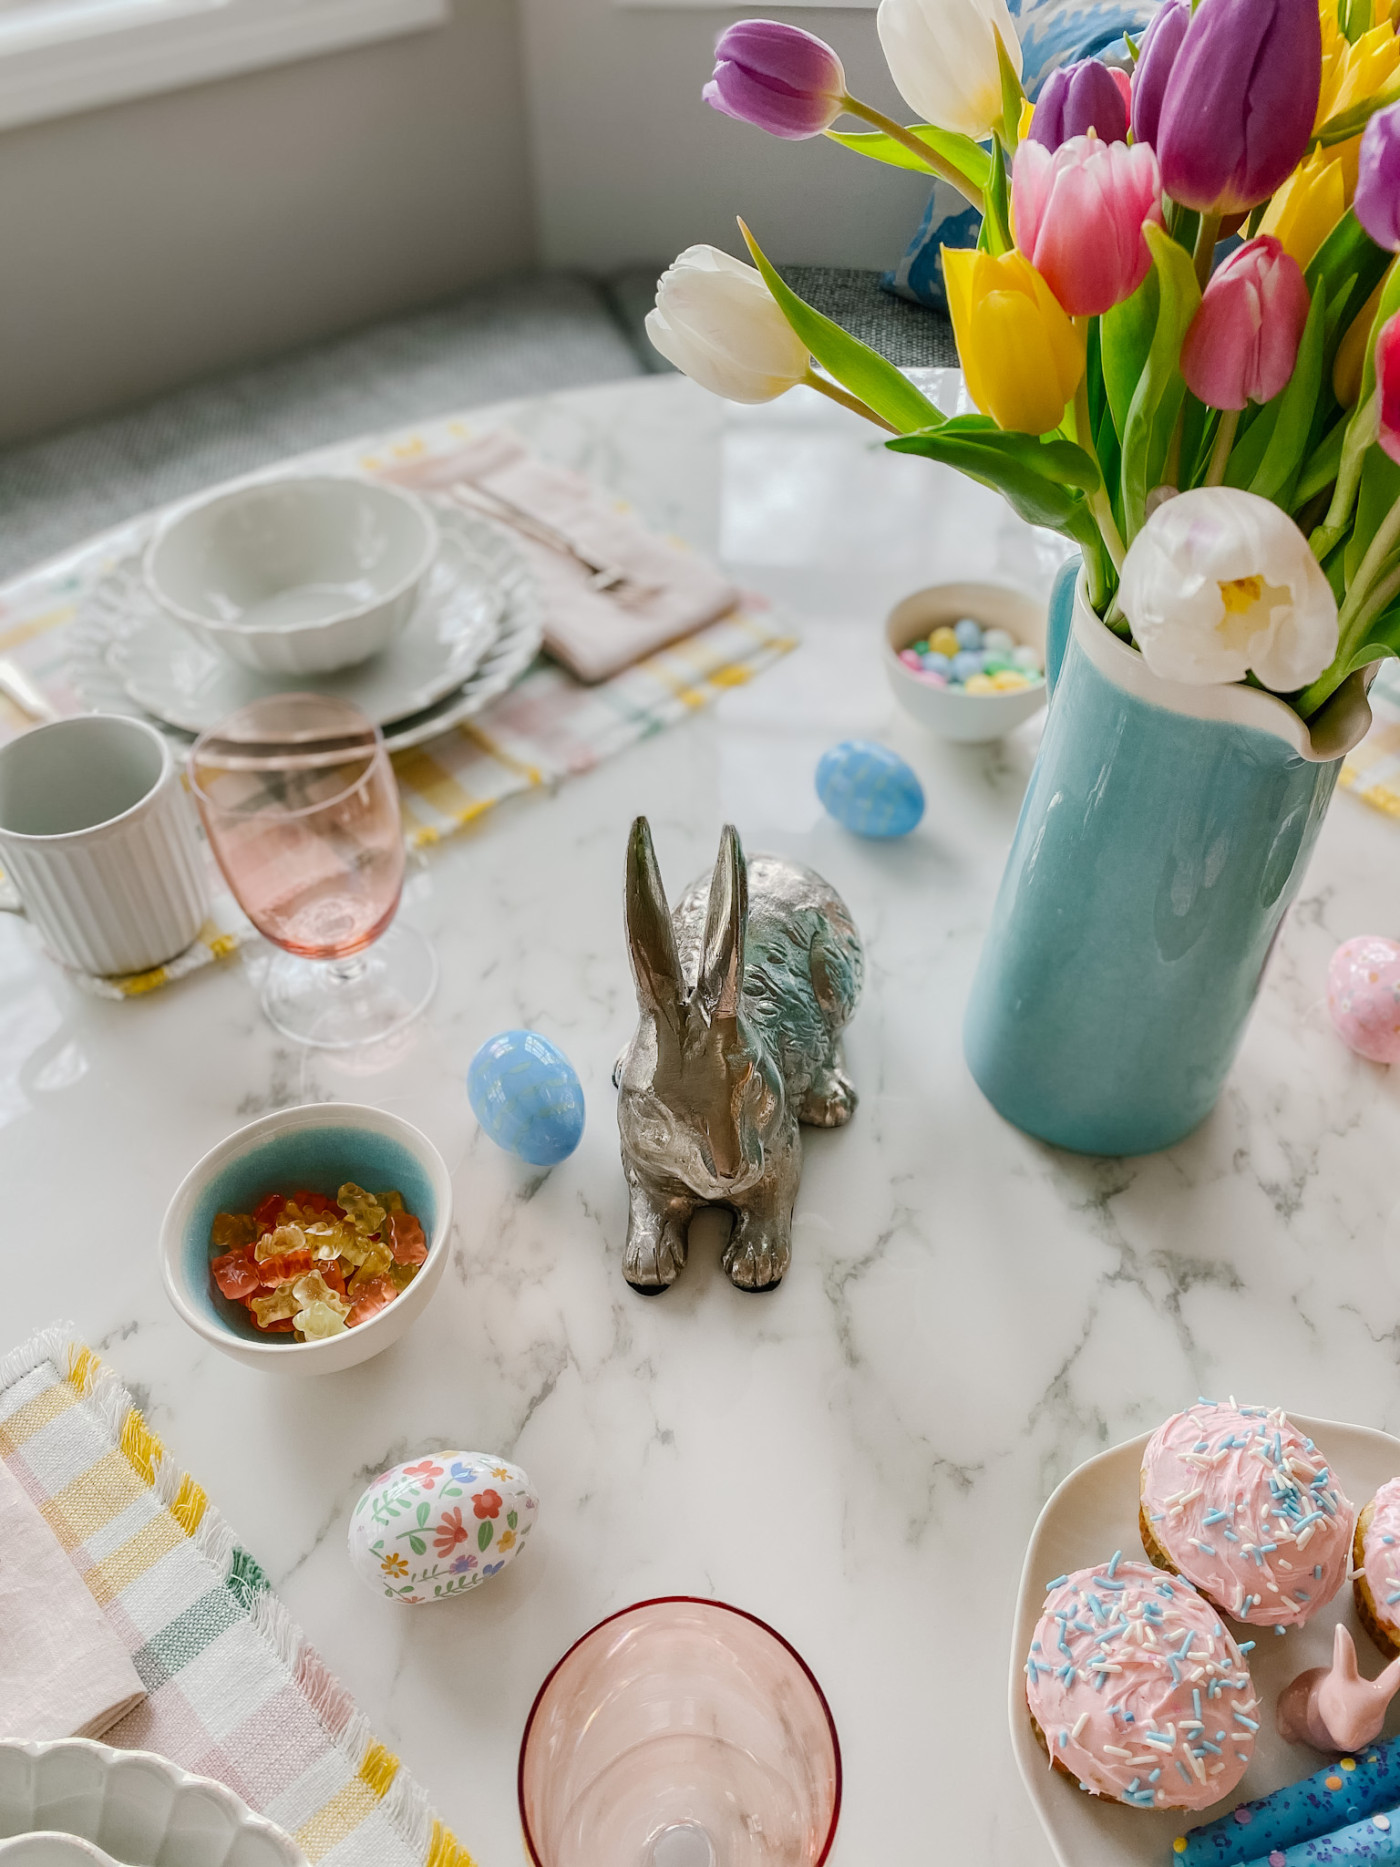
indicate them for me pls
(313, 1289)
(277, 1307)
(361, 1208)
(391, 1201)
(319, 1321)
(274, 1244)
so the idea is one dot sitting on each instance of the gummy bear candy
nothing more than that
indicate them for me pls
(282, 1305)
(265, 1214)
(318, 1321)
(406, 1239)
(391, 1201)
(285, 1238)
(313, 1289)
(285, 1268)
(231, 1230)
(236, 1275)
(333, 1276)
(361, 1208)
(370, 1294)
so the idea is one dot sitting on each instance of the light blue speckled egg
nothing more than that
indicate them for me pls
(527, 1096)
(869, 789)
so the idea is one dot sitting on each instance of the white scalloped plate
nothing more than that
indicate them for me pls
(1094, 1512)
(143, 1810)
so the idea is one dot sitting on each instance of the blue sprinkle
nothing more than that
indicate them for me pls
(1154, 1775)
(1184, 1771)
(1117, 1557)
(1058, 1582)
(1249, 1724)
(1064, 1739)
(1206, 1744)
(1246, 1646)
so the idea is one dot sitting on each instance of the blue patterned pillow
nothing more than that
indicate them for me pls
(1053, 33)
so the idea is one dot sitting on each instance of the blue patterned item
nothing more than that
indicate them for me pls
(869, 789)
(526, 1095)
(1052, 33)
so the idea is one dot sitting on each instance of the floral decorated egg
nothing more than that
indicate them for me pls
(869, 789)
(527, 1096)
(441, 1524)
(1363, 996)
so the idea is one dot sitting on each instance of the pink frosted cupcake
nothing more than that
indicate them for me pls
(1376, 1558)
(1240, 1503)
(1137, 1690)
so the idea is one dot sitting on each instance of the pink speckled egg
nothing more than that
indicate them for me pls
(1363, 996)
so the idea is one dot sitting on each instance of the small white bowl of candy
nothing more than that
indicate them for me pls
(967, 660)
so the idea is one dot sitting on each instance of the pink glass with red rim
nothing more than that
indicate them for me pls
(680, 1733)
(298, 798)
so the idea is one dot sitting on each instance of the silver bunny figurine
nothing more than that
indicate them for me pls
(743, 992)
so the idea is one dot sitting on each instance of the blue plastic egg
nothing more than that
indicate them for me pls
(527, 1096)
(968, 632)
(869, 789)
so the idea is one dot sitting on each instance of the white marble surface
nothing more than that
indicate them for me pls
(860, 1456)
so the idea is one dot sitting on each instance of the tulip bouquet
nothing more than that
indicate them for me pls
(1180, 325)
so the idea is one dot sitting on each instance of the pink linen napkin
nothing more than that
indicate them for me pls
(63, 1671)
(672, 591)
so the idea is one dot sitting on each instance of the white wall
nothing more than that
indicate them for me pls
(630, 165)
(150, 243)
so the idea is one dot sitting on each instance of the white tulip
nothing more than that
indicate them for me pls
(942, 55)
(1219, 582)
(716, 320)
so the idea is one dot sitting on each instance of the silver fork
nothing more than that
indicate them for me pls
(605, 578)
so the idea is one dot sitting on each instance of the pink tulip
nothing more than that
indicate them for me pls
(1388, 382)
(1078, 215)
(1243, 342)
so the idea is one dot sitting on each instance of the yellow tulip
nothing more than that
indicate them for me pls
(1021, 355)
(1308, 206)
(1350, 74)
(1351, 352)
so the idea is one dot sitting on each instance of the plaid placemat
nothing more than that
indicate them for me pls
(1372, 771)
(547, 729)
(235, 1691)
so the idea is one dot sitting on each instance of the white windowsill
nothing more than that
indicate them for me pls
(61, 56)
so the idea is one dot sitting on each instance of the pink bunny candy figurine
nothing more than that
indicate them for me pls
(1333, 1707)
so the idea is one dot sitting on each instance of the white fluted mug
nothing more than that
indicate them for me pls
(99, 845)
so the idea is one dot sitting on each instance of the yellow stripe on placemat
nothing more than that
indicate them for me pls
(340, 1817)
(419, 772)
(107, 1579)
(37, 625)
(446, 1850)
(89, 1502)
(532, 774)
(379, 1769)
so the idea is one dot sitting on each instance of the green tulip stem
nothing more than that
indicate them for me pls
(834, 393)
(1362, 430)
(1375, 584)
(1206, 236)
(1224, 441)
(1098, 500)
(928, 158)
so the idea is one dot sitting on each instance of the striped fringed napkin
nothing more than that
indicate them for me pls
(234, 1690)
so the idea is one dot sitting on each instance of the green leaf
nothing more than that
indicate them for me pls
(1297, 404)
(484, 1534)
(1044, 481)
(512, 1518)
(1152, 413)
(1349, 123)
(1321, 466)
(423, 1509)
(1012, 96)
(1380, 489)
(972, 162)
(1382, 640)
(1348, 267)
(417, 1545)
(863, 370)
(995, 236)
(1126, 338)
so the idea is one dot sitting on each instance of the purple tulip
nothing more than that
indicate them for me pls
(787, 81)
(1077, 99)
(1160, 45)
(1378, 180)
(1240, 102)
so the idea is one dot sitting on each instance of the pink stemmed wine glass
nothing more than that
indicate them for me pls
(298, 798)
(680, 1733)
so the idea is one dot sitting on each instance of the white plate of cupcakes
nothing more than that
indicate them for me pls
(1174, 1587)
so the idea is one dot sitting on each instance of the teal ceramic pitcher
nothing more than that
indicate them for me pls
(1163, 837)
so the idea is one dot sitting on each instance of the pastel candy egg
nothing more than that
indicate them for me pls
(966, 663)
(1363, 996)
(911, 657)
(931, 677)
(944, 642)
(998, 640)
(440, 1525)
(869, 789)
(1024, 656)
(526, 1095)
(934, 663)
(1010, 681)
(980, 684)
(968, 632)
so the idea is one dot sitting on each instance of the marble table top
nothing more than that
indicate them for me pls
(860, 1456)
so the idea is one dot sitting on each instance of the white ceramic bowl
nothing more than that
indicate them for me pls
(50, 1849)
(294, 576)
(319, 1148)
(132, 1807)
(949, 711)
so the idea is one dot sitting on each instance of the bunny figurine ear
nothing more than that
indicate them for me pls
(722, 966)
(651, 938)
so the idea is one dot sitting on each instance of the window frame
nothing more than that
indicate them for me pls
(64, 56)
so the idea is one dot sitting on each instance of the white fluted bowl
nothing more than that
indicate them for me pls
(136, 1808)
